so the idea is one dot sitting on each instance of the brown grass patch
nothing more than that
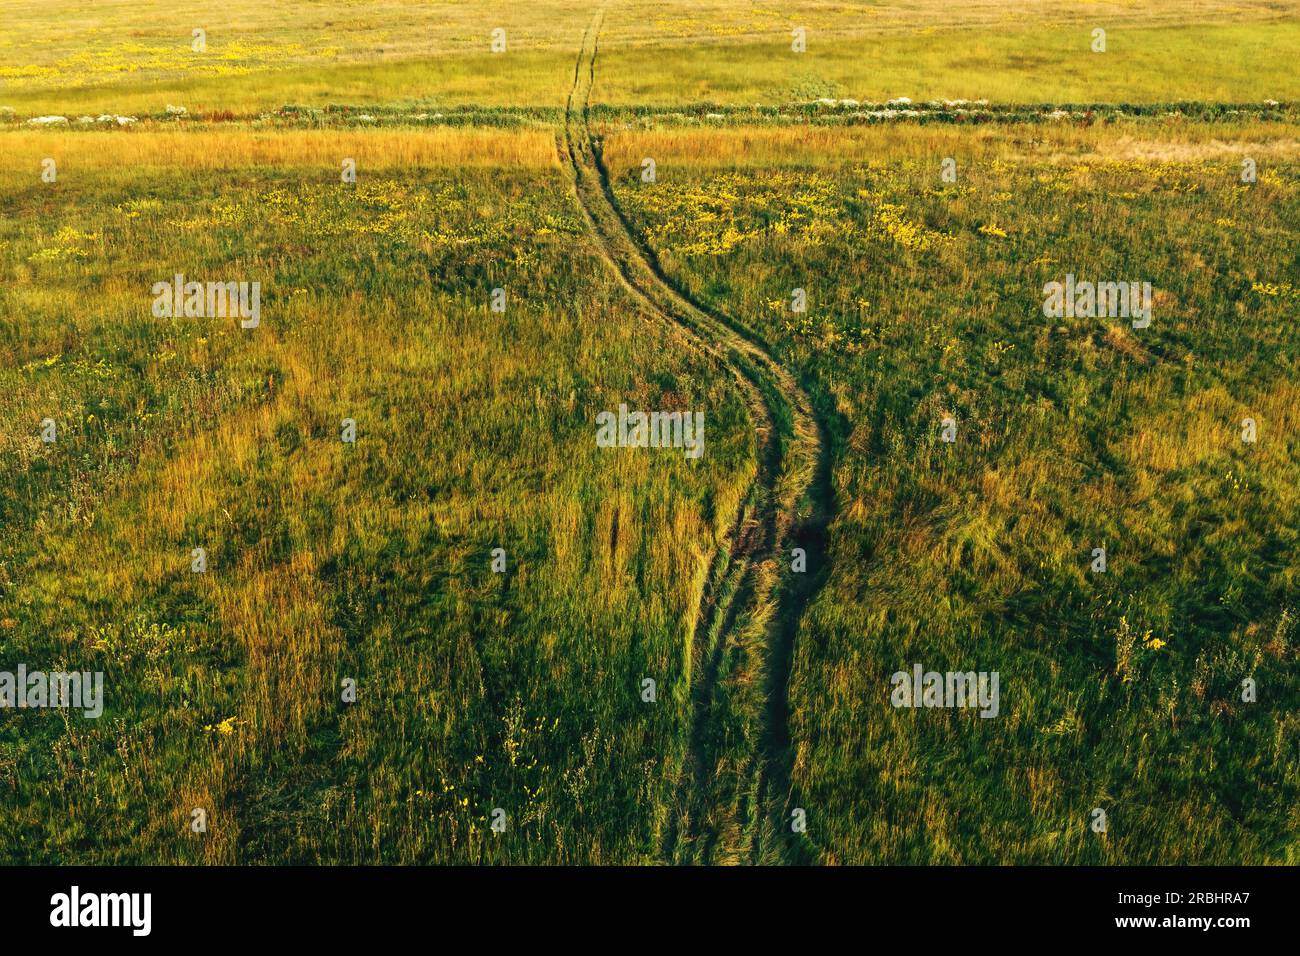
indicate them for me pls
(232, 149)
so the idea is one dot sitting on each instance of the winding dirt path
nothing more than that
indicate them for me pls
(733, 790)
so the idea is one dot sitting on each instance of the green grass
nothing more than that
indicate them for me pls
(476, 430)
(70, 58)
(519, 691)
(1035, 64)
(1073, 434)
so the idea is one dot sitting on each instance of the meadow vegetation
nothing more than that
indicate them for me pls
(523, 690)
(76, 57)
(1119, 689)
(477, 690)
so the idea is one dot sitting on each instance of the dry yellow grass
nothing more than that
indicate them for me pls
(213, 149)
(831, 145)
(1209, 426)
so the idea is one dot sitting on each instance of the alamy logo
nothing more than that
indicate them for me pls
(79, 690)
(212, 300)
(923, 688)
(652, 430)
(103, 909)
(1091, 300)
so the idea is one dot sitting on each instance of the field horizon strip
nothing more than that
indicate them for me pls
(713, 53)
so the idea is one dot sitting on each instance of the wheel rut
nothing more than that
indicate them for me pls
(733, 790)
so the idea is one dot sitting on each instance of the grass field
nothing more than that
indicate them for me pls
(924, 302)
(519, 687)
(138, 57)
(329, 561)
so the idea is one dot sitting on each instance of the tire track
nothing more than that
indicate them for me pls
(731, 798)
